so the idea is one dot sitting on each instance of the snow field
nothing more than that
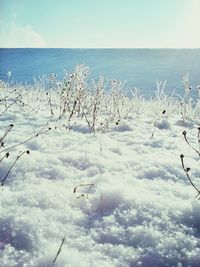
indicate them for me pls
(133, 204)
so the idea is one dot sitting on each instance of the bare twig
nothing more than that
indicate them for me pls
(42, 131)
(5, 156)
(8, 107)
(3, 99)
(59, 250)
(186, 170)
(5, 133)
(185, 137)
(17, 158)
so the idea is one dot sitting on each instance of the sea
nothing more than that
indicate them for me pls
(137, 68)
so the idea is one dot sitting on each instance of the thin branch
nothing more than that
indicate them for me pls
(59, 250)
(17, 158)
(186, 140)
(5, 133)
(8, 107)
(5, 156)
(3, 99)
(27, 140)
(186, 170)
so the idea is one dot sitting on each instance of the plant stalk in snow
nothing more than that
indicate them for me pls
(59, 250)
(186, 170)
(17, 158)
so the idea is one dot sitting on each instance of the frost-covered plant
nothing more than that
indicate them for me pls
(99, 103)
(35, 96)
(134, 102)
(72, 92)
(162, 105)
(6, 102)
(95, 108)
(10, 98)
(14, 98)
(117, 98)
(91, 102)
(162, 101)
(196, 109)
(186, 102)
(52, 82)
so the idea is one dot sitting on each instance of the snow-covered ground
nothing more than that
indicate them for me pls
(118, 194)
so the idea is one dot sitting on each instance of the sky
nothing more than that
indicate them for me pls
(100, 23)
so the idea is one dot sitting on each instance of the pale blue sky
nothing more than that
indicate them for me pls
(100, 23)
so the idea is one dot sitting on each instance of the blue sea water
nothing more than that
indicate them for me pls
(139, 67)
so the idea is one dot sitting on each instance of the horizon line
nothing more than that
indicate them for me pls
(99, 47)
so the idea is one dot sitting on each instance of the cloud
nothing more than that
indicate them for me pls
(17, 36)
